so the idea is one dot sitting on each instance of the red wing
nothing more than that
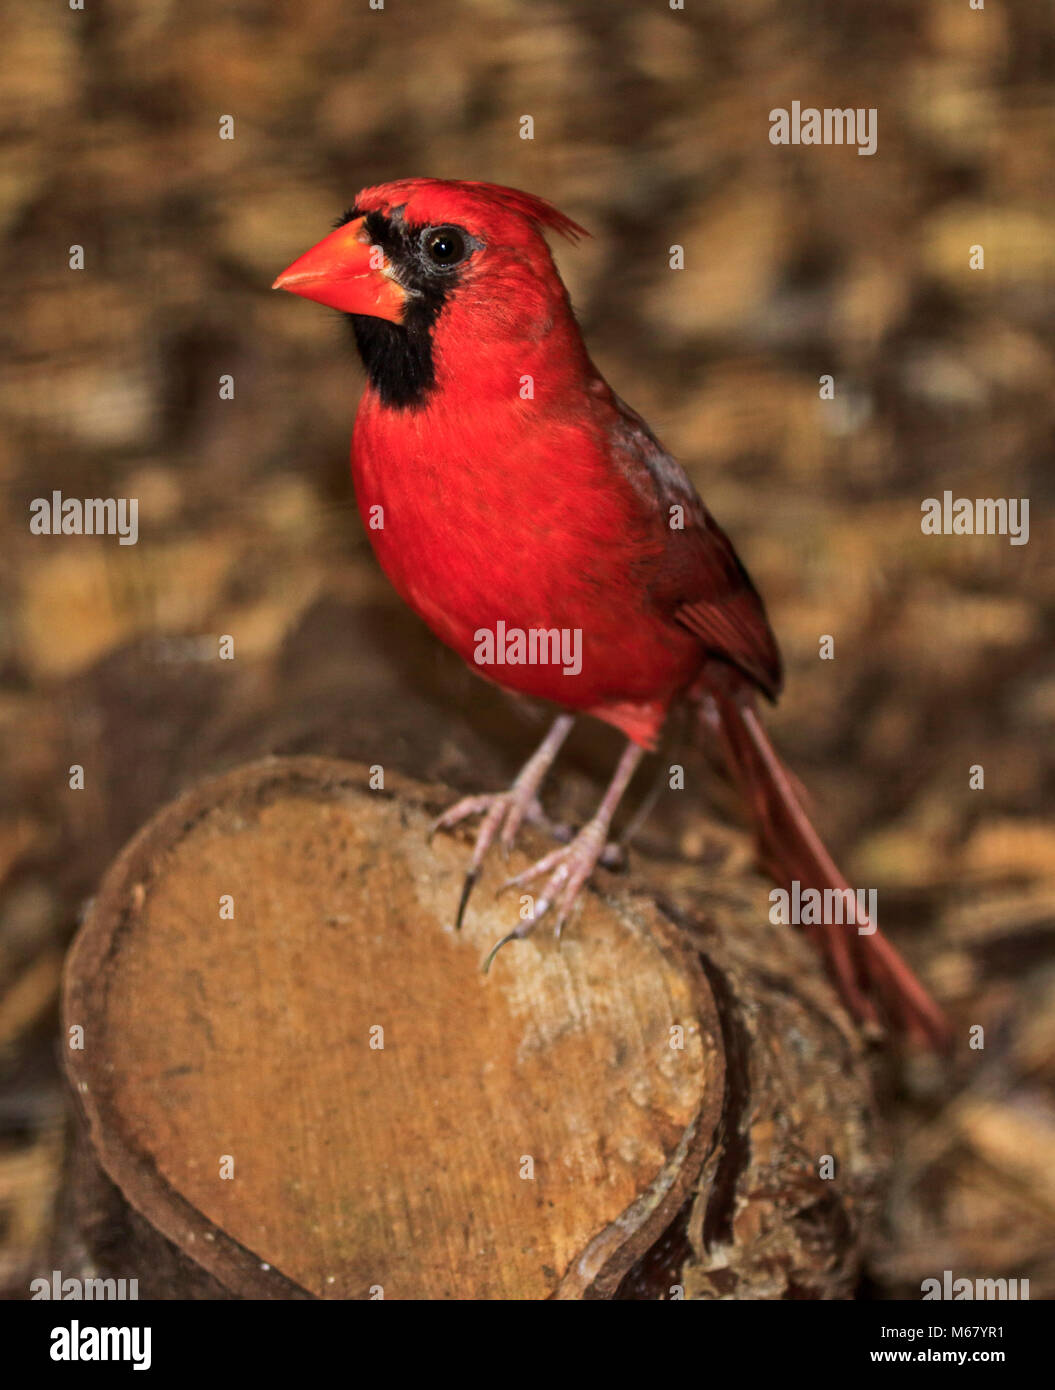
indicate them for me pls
(729, 617)
(698, 579)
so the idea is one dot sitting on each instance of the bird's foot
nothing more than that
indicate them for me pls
(569, 869)
(505, 812)
(503, 815)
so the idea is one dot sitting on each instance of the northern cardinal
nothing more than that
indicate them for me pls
(537, 525)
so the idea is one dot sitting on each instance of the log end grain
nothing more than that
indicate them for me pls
(295, 1071)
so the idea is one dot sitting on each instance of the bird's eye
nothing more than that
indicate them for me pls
(444, 246)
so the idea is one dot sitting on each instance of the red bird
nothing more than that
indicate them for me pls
(526, 513)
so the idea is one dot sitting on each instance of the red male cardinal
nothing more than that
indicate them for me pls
(541, 530)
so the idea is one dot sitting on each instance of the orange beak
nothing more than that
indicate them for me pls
(345, 272)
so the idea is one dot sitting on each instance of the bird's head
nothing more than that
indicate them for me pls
(430, 268)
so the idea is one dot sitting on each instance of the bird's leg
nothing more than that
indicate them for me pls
(570, 867)
(505, 812)
(615, 852)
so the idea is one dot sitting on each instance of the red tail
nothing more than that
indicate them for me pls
(866, 969)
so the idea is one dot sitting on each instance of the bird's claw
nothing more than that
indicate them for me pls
(510, 936)
(503, 815)
(569, 869)
(463, 902)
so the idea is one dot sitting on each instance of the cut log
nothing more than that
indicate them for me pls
(296, 1080)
